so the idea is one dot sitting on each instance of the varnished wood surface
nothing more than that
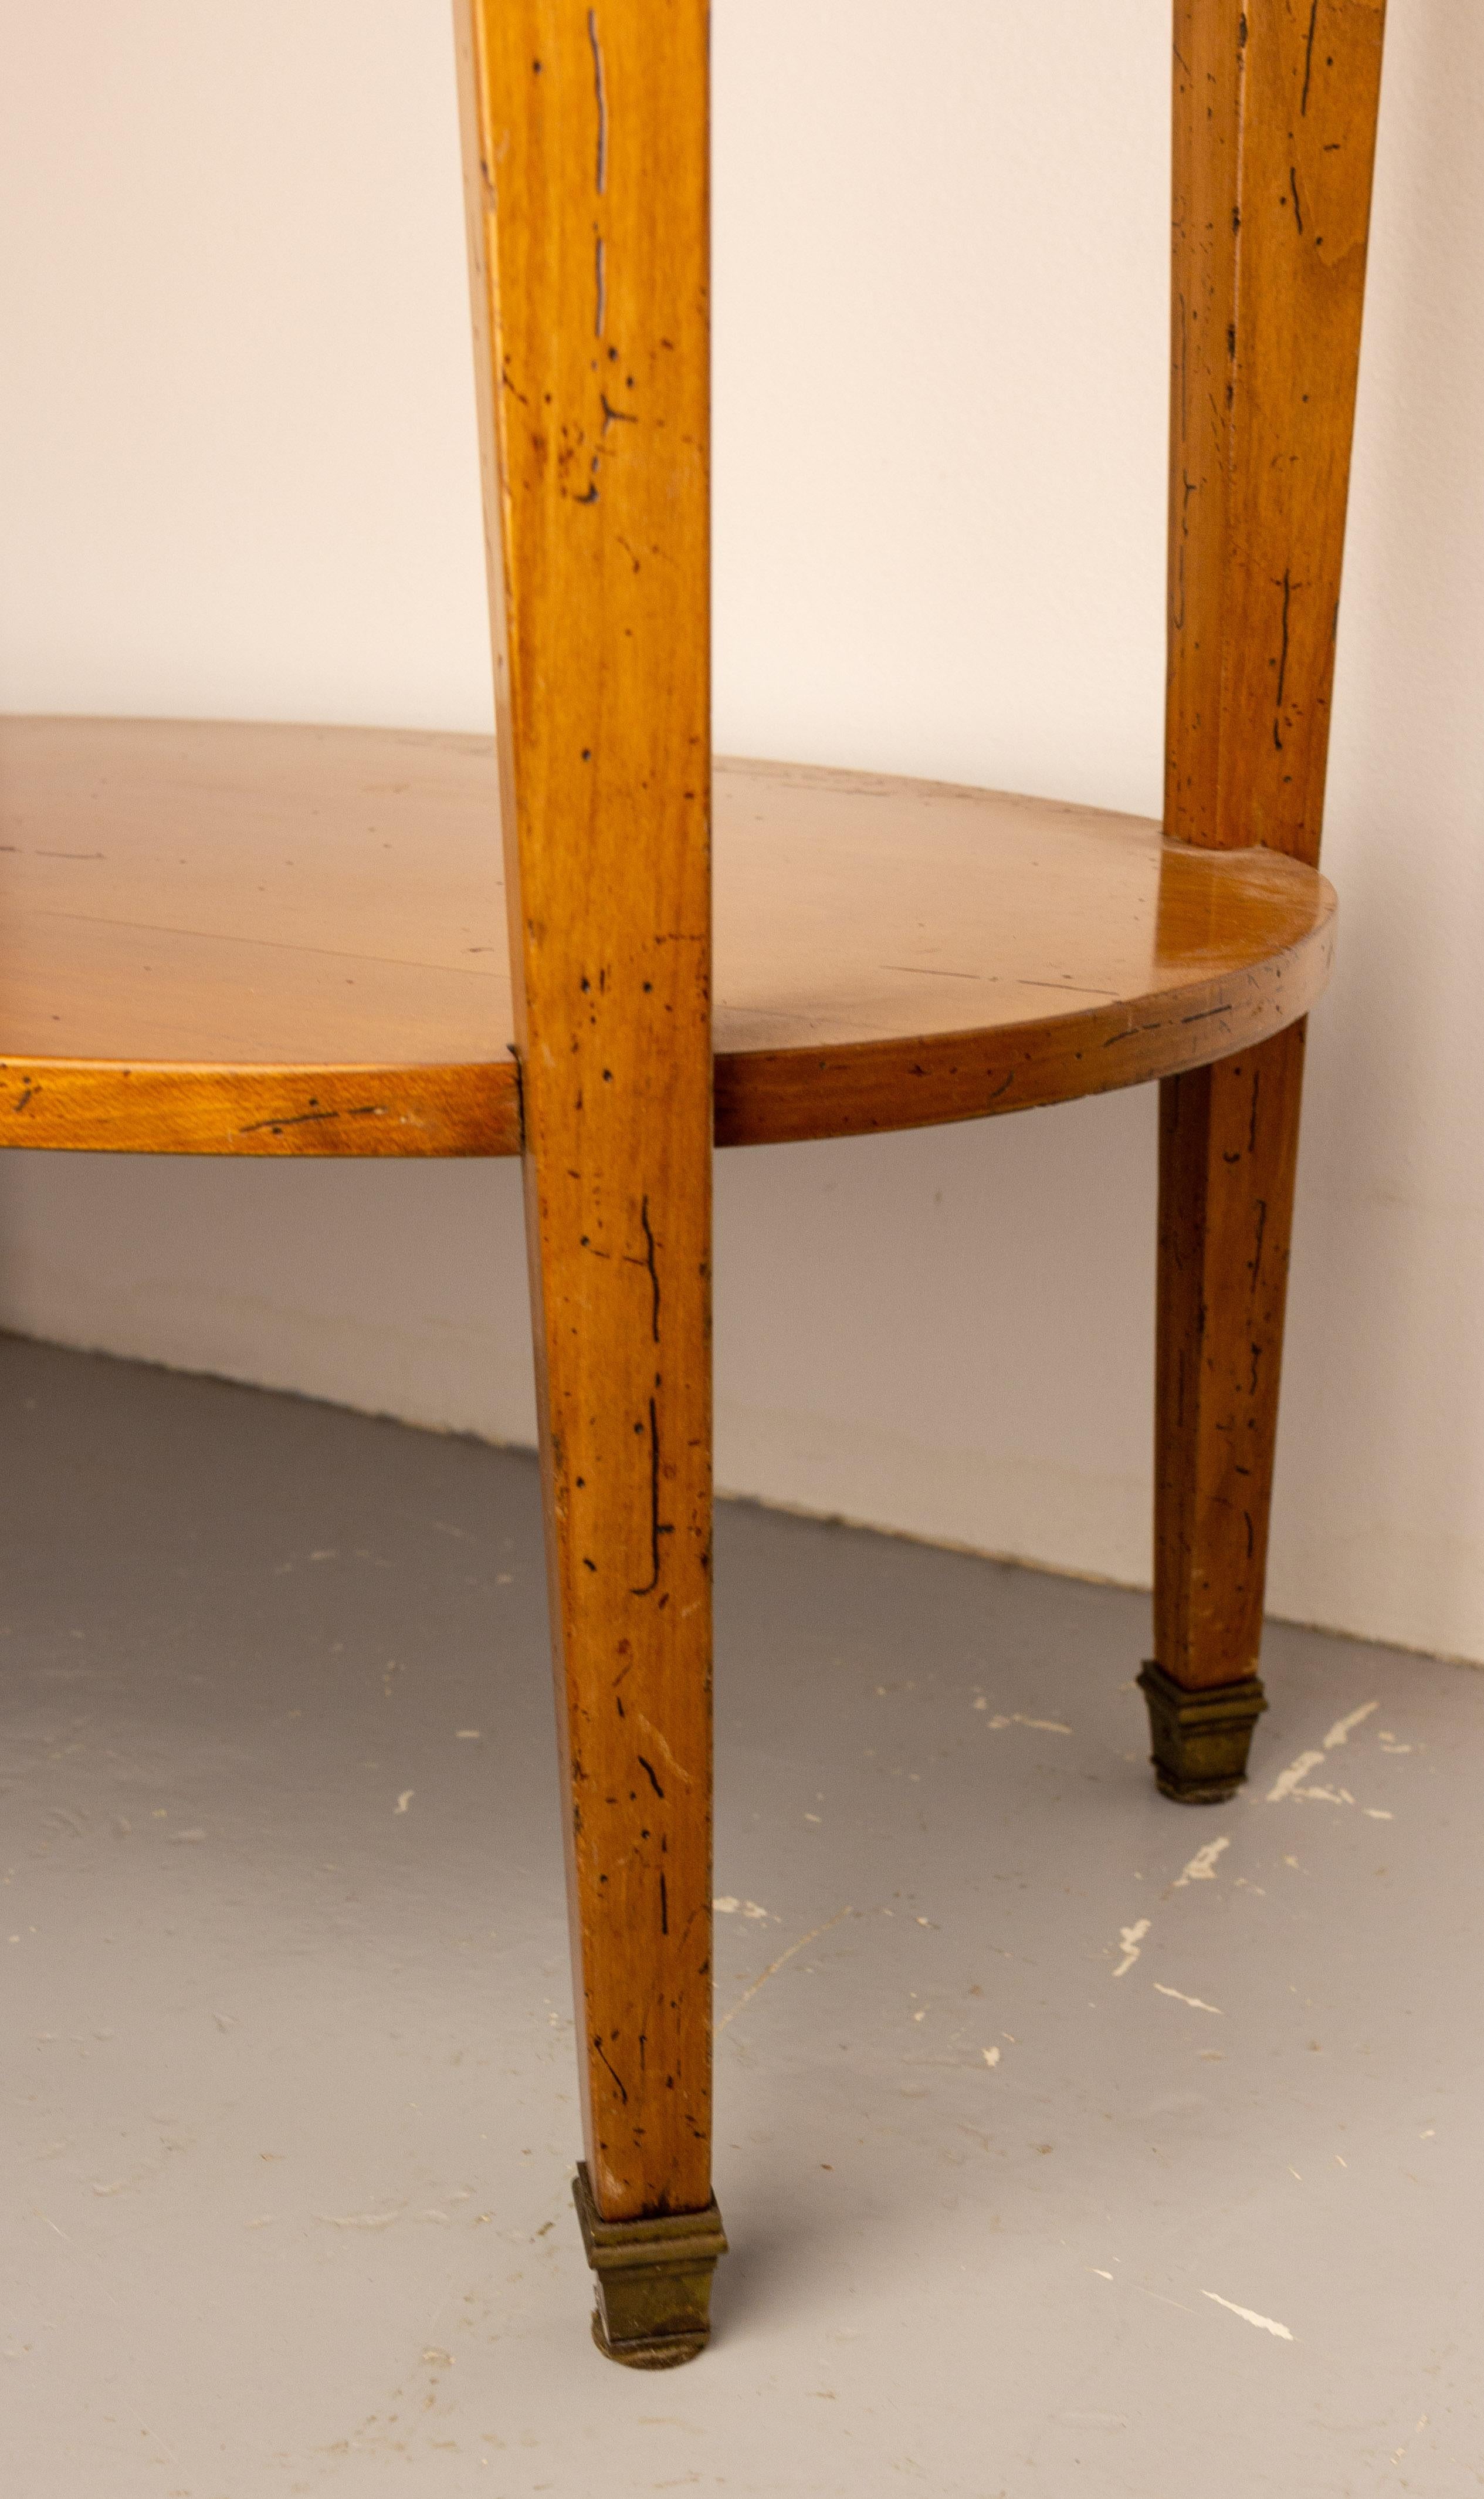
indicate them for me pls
(251, 939)
(1274, 137)
(241, 916)
(892, 954)
(587, 156)
(1274, 140)
(249, 895)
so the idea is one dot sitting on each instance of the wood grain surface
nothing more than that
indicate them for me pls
(587, 148)
(1274, 137)
(207, 930)
(1274, 140)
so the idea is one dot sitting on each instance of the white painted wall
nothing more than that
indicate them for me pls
(241, 479)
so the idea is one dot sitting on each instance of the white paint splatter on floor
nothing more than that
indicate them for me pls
(1288, 1781)
(1202, 1867)
(1199, 2001)
(1129, 1940)
(1269, 2324)
(1292, 1781)
(1340, 1732)
(1017, 1718)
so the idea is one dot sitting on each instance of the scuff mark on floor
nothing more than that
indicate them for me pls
(774, 1967)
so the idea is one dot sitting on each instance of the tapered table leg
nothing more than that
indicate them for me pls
(1274, 126)
(1228, 1146)
(586, 148)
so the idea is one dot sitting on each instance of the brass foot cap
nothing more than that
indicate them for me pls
(1201, 1738)
(659, 2351)
(654, 2280)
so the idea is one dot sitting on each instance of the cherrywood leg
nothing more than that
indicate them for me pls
(1229, 1139)
(1274, 144)
(586, 143)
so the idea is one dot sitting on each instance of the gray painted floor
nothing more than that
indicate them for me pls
(1014, 2207)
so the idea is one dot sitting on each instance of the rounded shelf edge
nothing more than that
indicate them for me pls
(762, 1096)
(159, 1107)
(866, 1088)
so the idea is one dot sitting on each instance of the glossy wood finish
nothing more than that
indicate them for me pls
(895, 952)
(247, 939)
(1274, 133)
(214, 937)
(1274, 140)
(247, 893)
(587, 152)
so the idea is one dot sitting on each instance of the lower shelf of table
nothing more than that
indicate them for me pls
(222, 938)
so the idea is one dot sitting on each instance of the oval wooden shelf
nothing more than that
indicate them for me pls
(222, 938)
